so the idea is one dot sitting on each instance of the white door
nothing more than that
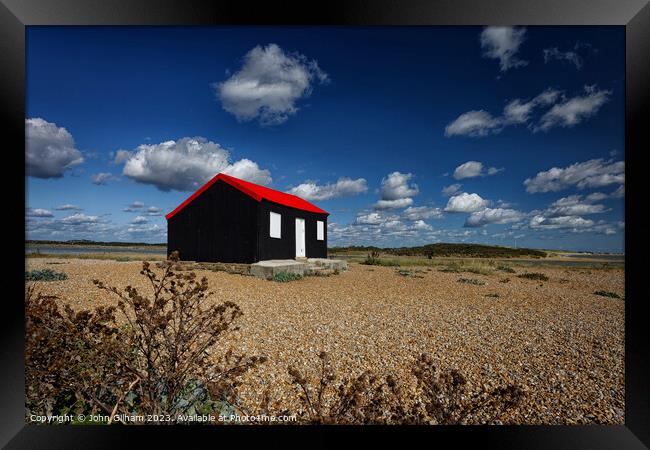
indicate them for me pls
(300, 238)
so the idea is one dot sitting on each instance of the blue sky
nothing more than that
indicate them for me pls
(523, 126)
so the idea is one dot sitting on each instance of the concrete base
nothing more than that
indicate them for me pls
(334, 264)
(307, 267)
(268, 269)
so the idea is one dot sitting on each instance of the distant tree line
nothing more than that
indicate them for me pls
(442, 250)
(89, 242)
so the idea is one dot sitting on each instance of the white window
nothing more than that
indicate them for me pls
(276, 221)
(320, 230)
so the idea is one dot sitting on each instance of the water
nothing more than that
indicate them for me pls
(85, 249)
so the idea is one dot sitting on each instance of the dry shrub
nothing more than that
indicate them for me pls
(441, 398)
(154, 355)
(156, 360)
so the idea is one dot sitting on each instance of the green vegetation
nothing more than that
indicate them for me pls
(373, 259)
(534, 276)
(607, 294)
(285, 277)
(478, 268)
(45, 275)
(505, 268)
(446, 250)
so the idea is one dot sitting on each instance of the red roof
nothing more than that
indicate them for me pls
(254, 191)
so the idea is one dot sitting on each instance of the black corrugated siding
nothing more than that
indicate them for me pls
(218, 226)
(285, 248)
(225, 225)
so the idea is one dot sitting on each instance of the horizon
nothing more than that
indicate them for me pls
(73, 241)
(407, 136)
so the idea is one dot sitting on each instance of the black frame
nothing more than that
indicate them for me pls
(633, 14)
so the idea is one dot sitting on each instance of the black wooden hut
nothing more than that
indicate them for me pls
(232, 220)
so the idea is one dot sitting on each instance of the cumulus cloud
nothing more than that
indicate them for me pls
(549, 109)
(372, 218)
(79, 218)
(574, 110)
(474, 124)
(186, 164)
(50, 150)
(576, 205)
(472, 169)
(343, 187)
(422, 213)
(38, 212)
(134, 207)
(154, 211)
(572, 223)
(594, 173)
(503, 43)
(138, 220)
(68, 207)
(393, 204)
(121, 156)
(269, 84)
(451, 189)
(466, 203)
(396, 191)
(493, 216)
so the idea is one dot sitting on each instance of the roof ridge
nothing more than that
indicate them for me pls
(254, 191)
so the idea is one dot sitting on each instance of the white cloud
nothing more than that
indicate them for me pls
(559, 111)
(423, 213)
(422, 225)
(596, 197)
(121, 156)
(101, 178)
(396, 192)
(496, 216)
(573, 223)
(138, 220)
(472, 169)
(68, 206)
(269, 84)
(503, 43)
(570, 55)
(393, 204)
(451, 189)
(343, 187)
(38, 212)
(576, 205)
(134, 207)
(619, 192)
(574, 110)
(50, 149)
(466, 203)
(474, 124)
(186, 164)
(79, 218)
(373, 218)
(589, 174)
(154, 211)
(519, 111)
(469, 169)
(396, 186)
